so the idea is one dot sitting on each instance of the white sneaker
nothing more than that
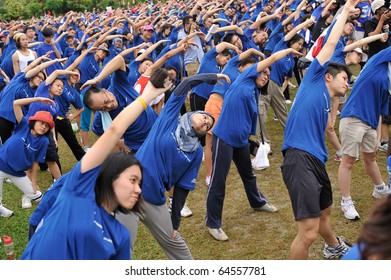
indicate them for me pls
(383, 147)
(27, 199)
(4, 212)
(218, 234)
(186, 212)
(268, 207)
(381, 192)
(288, 102)
(8, 180)
(349, 210)
(86, 149)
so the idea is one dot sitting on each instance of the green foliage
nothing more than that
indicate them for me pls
(34, 9)
(15, 9)
(55, 6)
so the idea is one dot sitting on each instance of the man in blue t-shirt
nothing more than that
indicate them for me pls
(360, 119)
(304, 149)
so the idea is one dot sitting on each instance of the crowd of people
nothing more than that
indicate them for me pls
(125, 75)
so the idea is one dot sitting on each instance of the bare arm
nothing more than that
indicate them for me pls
(326, 52)
(15, 63)
(57, 73)
(19, 103)
(366, 40)
(274, 57)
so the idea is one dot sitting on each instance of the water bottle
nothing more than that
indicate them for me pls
(9, 247)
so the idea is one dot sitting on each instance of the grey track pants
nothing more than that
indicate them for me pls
(158, 221)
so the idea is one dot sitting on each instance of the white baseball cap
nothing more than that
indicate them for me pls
(377, 4)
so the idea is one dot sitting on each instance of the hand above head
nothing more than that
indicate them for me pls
(224, 77)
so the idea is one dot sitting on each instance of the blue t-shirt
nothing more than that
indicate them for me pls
(43, 91)
(208, 65)
(21, 150)
(371, 91)
(47, 201)
(239, 115)
(76, 227)
(45, 48)
(307, 119)
(282, 68)
(134, 74)
(165, 165)
(232, 71)
(69, 96)
(88, 67)
(19, 87)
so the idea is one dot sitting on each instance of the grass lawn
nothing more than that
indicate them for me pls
(252, 235)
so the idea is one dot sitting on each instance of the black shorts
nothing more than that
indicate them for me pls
(51, 153)
(308, 184)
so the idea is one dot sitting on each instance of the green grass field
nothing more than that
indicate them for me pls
(252, 235)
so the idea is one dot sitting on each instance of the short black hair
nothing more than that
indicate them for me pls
(335, 68)
(47, 32)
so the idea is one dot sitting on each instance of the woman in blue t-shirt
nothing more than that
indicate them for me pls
(171, 155)
(23, 150)
(81, 224)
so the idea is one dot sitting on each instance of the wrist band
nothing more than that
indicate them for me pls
(142, 102)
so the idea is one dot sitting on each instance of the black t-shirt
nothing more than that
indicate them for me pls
(376, 46)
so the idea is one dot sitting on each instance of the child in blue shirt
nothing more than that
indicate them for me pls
(23, 150)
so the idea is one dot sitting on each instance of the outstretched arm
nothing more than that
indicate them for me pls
(274, 57)
(19, 103)
(383, 37)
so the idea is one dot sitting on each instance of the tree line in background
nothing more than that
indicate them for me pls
(26, 9)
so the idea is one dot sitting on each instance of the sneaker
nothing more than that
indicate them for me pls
(186, 212)
(27, 199)
(218, 234)
(267, 208)
(349, 210)
(381, 192)
(288, 102)
(275, 118)
(337, 158)
(86, 148)
(8, 180)
(330, 252)
(26, 202)
(207, 181)
(4, 212)
(383, 147)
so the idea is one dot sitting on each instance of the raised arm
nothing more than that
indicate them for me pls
(19, 103)
(291, 33)
(326, 52)
(150, 49)
(383, 37)
(57, 73)
(274, 57)
(160, 62)
(34, 71)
